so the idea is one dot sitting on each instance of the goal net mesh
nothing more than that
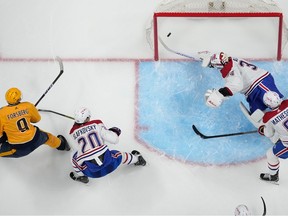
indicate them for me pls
(216, 6)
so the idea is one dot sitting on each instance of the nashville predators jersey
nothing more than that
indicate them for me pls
(15, 121)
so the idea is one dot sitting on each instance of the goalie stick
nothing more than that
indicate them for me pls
(220, 135)
(175, 52)
(61, 72)
(57, 113)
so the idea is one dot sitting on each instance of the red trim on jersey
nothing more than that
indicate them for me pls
(283, 151)
(76, 126)
(271, 114)
(102, 149)
(256, 83)
(126, 158)
(118, 154)
(274, 165)
(227, 68)
(264, 87)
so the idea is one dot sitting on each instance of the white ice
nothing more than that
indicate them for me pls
(100, 42)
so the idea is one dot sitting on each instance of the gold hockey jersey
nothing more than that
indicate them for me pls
(15, 121)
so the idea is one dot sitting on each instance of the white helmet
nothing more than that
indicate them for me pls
(271, 99)
(242, 210)
(218, 60)
(82, 115)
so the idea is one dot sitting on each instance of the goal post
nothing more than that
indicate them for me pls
(220, 9)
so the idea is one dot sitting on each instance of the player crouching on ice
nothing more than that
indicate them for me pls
(275, 124)
(92, 157)
(239, 76)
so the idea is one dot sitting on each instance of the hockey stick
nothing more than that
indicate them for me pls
(264, 207)
(221, 135)
(57, 113)
(173, 51)
(61, 72)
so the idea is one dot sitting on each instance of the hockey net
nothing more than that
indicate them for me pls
(188, 18)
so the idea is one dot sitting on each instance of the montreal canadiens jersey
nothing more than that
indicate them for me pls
(242, 76)
(15, 121)
(277, 121)
(90, 138)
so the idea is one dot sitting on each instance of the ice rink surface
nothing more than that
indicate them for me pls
(109, 68)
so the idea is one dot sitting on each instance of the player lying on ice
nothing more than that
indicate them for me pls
(261, 93)
(240, 76)
(92, 157)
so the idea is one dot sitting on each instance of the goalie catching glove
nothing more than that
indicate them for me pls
(213, 98)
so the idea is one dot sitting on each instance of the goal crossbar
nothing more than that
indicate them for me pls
(278, 15)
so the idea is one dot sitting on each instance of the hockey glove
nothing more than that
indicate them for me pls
(115, 130)
(205, 57)
(3, 138)
(213, 98)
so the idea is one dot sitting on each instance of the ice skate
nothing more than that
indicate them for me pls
(64, 142)
(270, 178)
(75, 177)
(141, 161)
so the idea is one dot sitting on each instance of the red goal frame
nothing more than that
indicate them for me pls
(218, 14)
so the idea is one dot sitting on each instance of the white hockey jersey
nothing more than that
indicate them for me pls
(91, 141)
(276, 121)
(242, 76)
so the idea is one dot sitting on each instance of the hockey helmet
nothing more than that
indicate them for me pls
(218, 60)
(82, 115)
(271, 99)
(242, 210)
(13, 96)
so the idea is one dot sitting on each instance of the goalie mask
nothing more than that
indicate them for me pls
(272, 100)
(82, 115)
(218, 60)
(13, 96)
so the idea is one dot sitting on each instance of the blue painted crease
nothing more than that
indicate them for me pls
(171, 99)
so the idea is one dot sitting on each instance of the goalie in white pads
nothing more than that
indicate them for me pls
(92, 157)
(240, 76)
(275, 124)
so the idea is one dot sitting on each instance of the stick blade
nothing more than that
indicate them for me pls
(198, 132)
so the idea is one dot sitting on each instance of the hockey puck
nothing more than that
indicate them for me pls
(169, 34)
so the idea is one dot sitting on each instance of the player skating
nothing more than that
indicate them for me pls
(92, 157)
(240, 76)
(275, 125)
(19, 137)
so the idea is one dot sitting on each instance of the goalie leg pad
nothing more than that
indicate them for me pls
(255, 118)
